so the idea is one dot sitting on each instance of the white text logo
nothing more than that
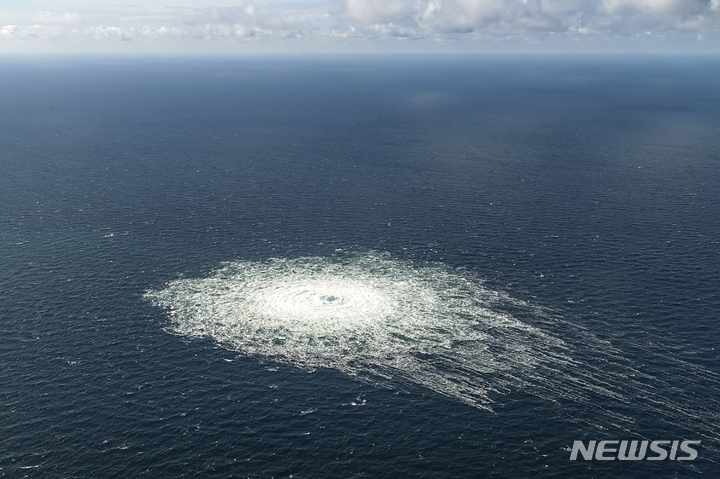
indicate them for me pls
(635, 450)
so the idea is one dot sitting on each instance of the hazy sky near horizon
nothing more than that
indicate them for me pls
(462, 26)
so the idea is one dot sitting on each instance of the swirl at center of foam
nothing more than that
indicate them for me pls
(322, 301)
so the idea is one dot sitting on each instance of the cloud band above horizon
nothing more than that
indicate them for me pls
(358, 25)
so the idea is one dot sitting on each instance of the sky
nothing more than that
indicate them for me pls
(358, 26)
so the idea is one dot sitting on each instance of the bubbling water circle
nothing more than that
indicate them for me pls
(392, 322)
(368, 315)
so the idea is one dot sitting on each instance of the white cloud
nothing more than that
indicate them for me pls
(458, 16)
(371, 11)
(657, 7)
(8, 31)
(559, 8)
(184, 23)
(162, 32)
(101, 32)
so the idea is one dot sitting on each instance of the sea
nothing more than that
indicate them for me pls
(359, 266)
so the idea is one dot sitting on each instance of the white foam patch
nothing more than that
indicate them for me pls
(367, 315)
(392, 322)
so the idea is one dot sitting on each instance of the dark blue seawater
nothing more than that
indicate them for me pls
(584, 192)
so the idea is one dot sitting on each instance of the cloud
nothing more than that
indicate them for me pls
(671, 8)
(371, 11)
(101, 32)
(459, 16)
(35, 31)
(8, 31)
(162, 32)
(371, 22)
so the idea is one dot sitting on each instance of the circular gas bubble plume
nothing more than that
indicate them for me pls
(392, 322)
(368, 315)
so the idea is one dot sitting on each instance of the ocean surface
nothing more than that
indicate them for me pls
(357, 267)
